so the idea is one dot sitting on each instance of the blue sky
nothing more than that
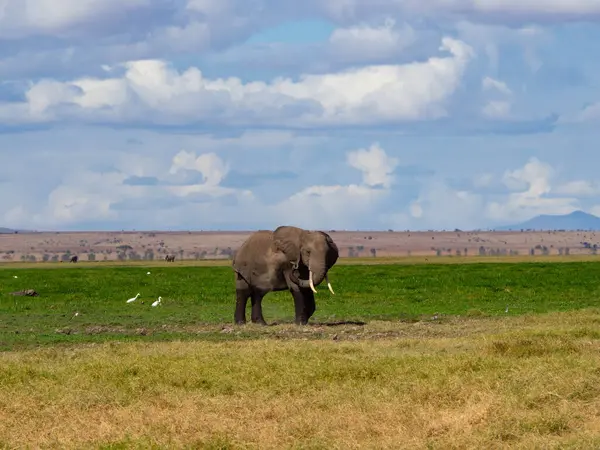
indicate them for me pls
(330, 114)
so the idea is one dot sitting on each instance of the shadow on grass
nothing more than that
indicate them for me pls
(319, 324)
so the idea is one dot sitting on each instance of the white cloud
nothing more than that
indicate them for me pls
(86, 196)
(492, 39)
(334, 205)
(515, 10)
(590, 113)
(210, 8)
(533, 185)
(152, 91)
(534, 176)
(489, 83)
(19, 18)
(497, 108)
(531, 7)
(483, 180)
(83, 197)
(212, 168)
(89, 196)
(186, 188)
(441, 207)
(88, 63)
(377, 167)
(371, 42)
(416, 210)
(579, 188)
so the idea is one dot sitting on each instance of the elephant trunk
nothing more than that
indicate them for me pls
(317, 270)
(318, 265)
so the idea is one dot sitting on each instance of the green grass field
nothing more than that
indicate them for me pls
(193, 297)
(427, 357)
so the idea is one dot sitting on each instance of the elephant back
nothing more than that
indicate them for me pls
(252, 253)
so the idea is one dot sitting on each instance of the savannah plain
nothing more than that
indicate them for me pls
(418, 348)
(197, 245)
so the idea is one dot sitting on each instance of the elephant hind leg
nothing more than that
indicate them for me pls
(242, 296)
(257, 316)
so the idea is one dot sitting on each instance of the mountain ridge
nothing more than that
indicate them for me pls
(576, 220)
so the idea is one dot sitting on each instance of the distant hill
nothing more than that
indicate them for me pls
(577, 220)
(6, 230)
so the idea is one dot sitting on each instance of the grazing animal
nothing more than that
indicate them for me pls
(289, 258)
(133, 299)
(27, 292)
(170, 258)
(74, 259)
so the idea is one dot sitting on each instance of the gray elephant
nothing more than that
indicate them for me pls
(289, 258)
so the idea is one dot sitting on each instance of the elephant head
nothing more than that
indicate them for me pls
(315, 249)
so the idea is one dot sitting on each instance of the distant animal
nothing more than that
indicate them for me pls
(288, 258)
(133, 299)
(27, 292)
(74, 259)
(157, 302)
(170, 258)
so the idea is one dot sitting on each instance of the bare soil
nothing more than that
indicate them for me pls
(153, 245)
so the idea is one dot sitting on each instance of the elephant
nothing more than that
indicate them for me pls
(170, 258)
(288, 258)
(74, 259)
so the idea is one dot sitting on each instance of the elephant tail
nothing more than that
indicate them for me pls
(239, 276)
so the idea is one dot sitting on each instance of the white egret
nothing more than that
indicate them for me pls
(133, 299)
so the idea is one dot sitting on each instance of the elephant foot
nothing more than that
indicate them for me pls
(240, 321)
(259, 321)
(301, 321)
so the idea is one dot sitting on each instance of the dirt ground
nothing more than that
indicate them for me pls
(110, 246)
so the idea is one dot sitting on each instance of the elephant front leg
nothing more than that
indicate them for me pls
(300, 307)
(309, 303)
(302, 314)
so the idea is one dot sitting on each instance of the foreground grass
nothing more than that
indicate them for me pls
(196, 296)
(523, 382)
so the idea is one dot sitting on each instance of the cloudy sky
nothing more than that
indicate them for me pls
(331, 114)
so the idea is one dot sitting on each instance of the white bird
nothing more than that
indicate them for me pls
(14, 276)
(156, 302)
(147, 273)
(133, 299)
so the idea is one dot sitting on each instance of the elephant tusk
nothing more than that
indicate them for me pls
(329, 284)
(310, 281)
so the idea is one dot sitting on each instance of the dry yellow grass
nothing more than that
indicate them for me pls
(521, 382)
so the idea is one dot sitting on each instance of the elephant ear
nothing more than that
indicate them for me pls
(287, 239)
(327, 238)
(330, 242)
